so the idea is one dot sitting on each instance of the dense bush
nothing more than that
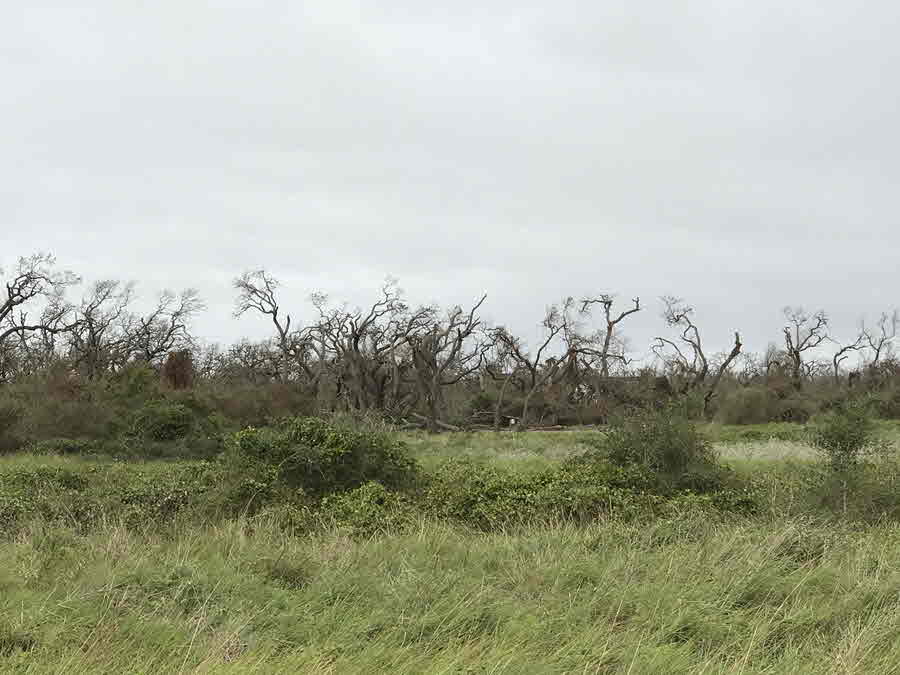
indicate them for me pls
(162, 421)
(845, 434)
(665, 444)
(144, 496)
(369, 509)
(488, 498)
(321, 456)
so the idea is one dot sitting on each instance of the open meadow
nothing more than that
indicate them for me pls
(499, 562)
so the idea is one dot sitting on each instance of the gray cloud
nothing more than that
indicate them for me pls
(743, 155)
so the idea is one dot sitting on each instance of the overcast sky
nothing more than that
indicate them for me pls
(743, 155)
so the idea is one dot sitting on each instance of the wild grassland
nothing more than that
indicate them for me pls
(147, 583)
(682, 596)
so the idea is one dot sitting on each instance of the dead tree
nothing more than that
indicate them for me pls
(693, 370)
(502, 367)
(843, 353)
(256, 292)
(166, 327)
(880, 340)
(303, 353)
(99, 339)
(370, 349)
(606, 352)
(107, 334)
(540, 373)
(445, 354)
(34, 300)
(803, 332)
(690, 369)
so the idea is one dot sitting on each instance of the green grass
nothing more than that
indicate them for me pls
(682, 596)
(152, 583)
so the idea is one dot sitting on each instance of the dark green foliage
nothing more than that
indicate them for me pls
(162, 421)
(321, 456)
(65, 446)
(489, 498)
(369, 510)
(81, 496)
(10, 414)
(668, 446)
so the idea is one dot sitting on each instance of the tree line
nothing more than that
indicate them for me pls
(420, 365)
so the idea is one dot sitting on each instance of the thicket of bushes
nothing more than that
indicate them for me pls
(308, 472)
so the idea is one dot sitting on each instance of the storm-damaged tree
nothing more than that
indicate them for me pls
(880, 340)
(107, 333)
(166, 327)
(842, 353)
(444, 354)
(99, 340)
(369, 350)
(500, 366)
(611, 346)
(692, 369)
(802, 333)
(559, 324)
(33, 307)
(257, 292)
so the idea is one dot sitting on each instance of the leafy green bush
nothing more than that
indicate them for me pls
(162, 421)
(321, 456)
(845, 435)
(666, 444)
(369, 509)
(580, 490)
(143, 495)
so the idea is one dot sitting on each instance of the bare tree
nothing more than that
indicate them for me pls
(881, 339)
(34, 299)
(695, 369)
(691, 368)
(608, 352)
(802, 333)
(445, 354)
(98, 340)
(256, 292)
(502, 367)
(107, 333)
(843, 353)
(166, 327)
(370, 349)
(541, 373)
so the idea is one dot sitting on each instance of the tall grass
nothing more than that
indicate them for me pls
(680, 596)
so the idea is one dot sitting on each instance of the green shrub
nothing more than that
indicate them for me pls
(666, 444)
(162, 421)
(845, 435)
(321, 456)
(369, 510)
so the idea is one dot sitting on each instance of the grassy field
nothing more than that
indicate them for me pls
(782, 591)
